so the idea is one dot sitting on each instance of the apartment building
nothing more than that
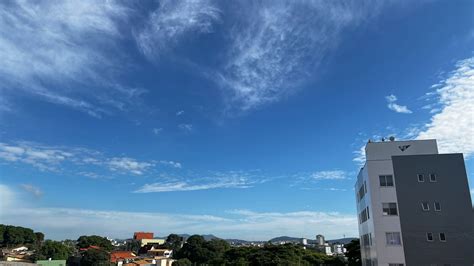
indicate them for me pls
(414, 206)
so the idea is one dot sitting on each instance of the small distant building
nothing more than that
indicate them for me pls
(320, 240)
(142, 235)
(304, 241)
(160, 253)
(147, 241)
(51, 262)
(338, 249)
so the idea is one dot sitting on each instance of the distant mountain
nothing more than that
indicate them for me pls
(186, 236)
(344, 241)
(285, 239)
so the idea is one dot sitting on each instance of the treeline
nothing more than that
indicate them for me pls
(198, 251)
(16, 235)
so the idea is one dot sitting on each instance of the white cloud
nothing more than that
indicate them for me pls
(61, 223)
(392, 105)
(186, 127)
(453, 125)
(279, 45)
(359, 156)
(128, 165)
(172, 21)
(57, 158)
(62, 52)
(172, 164)
(36, 191)
(157, 131)
(231, 179)
(329, 175)
(181, 112)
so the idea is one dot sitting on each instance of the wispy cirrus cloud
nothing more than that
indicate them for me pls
(215, 180)
(392, 105)
(62, 52)
(173, 21)
(61, 158)
(329, 175)
(34, 190)
(453, 121)
(62, 223)
(278, 46)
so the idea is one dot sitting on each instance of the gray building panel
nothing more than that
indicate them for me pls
(455, 219)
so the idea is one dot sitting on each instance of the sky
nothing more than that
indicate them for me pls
(242, 119)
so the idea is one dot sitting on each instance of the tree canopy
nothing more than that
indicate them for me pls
(218, 252)
(94, 240)
(353, 253)
(94, 257)
(16, 235)
(54, 250)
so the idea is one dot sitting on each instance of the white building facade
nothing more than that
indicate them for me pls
(385, 223)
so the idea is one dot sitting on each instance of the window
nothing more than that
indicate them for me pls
(366, 240)
(393, 238)
(362, 191)
(386, 180)
(429, 237)
(442, 237)
(421, 178)
(389, 208)
(425, 206)
(437, 206)
(395, 264)
(364, 215)
(432, 177)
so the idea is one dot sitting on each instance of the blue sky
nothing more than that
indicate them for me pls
(243, 119)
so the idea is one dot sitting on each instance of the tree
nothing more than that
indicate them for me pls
(54, 250)
(353, 253)
(16, 235)
(95, 257)
(39, 238)
(182, 262)
(87, 241)
(174, 242)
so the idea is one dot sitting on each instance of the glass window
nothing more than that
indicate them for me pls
(429, 236)
(395, 264)
(393, 238)
(386, 180)
(421, 178)
(437, 206)
(425, 206)
(432, 177)
(389, 180)
(389, 208)
(442, 237)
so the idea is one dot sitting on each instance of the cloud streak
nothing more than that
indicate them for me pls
(392, 105)
(59, 159)
(55, 51)
(173, 21)
(216, 180)
(275, 49)
(453, 122)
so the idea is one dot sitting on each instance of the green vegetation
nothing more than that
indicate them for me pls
(353, 253)
(54, 250)
(94, 257)
(87, 241)
(16, 235)
(219, 252)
